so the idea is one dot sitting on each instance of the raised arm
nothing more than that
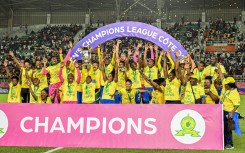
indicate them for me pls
(140, 63)
(72, 63)
(221, 75)
(44, 70)
(7, 70)
(193, 65)
(186, 78)
(152, 52)
(127, 60)
(117, 48)
(188, 62)
(101, 58)
(27, 75)
(15, 59)
(113, 56)
(170, 60)
(20, 77)
(159, 60)
(136, 53)
(70, 45)
(165, 69)
(103, 70)
(78, 73)
(32, 77)
(177, 70)
(62, 64)
(98, 52)
(116, 70)
(54, 95)
(61, 55)
(145, 54)
(156, 56)
(31, 91)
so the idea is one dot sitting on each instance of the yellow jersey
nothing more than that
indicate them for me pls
(128, 96)
(37, 91)
(134, 76)
(208, 98)
(14, 93)
(96, 77)
(151, 73)
(109, 90)
(69, 92)
(48, 101)
(160, 68)
(212, 71)
(230, 99)
(65, 72)
(188, 95)
(172, 89)
(88, 93)
(121, 80)
(158, 96)
(200, 76)
(24, 81)
(43, 78)
(79, 86)
(54, 73)
(108, 70)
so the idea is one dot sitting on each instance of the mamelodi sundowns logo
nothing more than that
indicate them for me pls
(188, 126)
(3, 123)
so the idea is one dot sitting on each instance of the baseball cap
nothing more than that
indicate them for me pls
(194, 76)
(229, 80)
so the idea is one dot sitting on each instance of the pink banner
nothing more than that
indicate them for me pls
(112, 126)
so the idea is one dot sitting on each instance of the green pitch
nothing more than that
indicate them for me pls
(3, 97)
(238, 143)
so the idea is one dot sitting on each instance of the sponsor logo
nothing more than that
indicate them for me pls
(188, 126)
(3, 123)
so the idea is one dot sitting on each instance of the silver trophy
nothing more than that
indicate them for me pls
(86, 55)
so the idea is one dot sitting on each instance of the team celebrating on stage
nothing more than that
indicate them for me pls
(140, 75)
(145, 75)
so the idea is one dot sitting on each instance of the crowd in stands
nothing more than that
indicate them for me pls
(41, 44)
(218, 31)
(221, 31)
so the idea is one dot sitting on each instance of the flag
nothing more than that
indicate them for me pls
(237, 127)
(67, 56)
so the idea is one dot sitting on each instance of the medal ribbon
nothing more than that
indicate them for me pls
(134, 73)
(35, 89)
(149, 73)
(224, 95)
(86, 88)
(12, 92)
(129, 96)
(107, 87)
(199, 75)
(69, 87)
(67, 72)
